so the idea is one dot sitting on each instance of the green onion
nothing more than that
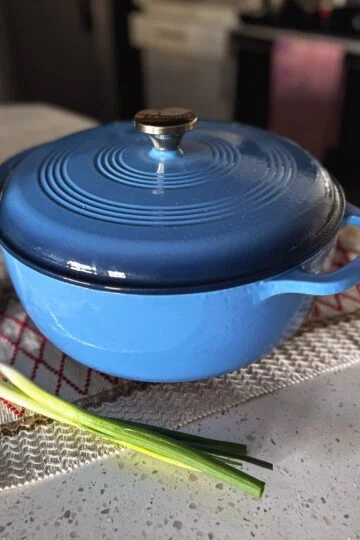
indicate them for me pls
(202, 443)
(180, 449)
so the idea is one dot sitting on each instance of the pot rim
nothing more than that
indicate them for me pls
(324, 238)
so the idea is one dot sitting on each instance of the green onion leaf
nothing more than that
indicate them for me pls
(163, 446)
(201, 443)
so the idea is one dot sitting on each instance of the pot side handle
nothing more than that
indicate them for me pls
(301, 282)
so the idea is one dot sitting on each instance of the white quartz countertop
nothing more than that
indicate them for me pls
(310, 432)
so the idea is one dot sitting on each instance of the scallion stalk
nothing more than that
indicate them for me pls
(181, 450)
(10, 393)
(202, 443)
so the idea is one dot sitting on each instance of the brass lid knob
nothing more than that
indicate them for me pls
(165, 126)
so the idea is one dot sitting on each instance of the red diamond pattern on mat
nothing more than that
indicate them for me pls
(14, 411)
(22, 344)
(30, 341)
(51, 355)
(51, 377)
(347, 248)
(6, 347)
(12, 329)
(23, 364)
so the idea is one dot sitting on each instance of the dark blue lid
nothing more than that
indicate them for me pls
(105, 207)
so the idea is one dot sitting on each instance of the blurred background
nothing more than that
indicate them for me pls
(292, 66)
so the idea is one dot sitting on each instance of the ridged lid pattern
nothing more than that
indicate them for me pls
(103, 206)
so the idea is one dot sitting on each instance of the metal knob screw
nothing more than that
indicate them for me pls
(165, 126)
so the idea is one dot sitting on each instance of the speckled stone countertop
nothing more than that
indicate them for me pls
(311, 432)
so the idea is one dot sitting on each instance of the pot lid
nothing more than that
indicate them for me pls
(140, 207)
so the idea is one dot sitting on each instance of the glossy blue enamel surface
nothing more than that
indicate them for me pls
(103, 206)
(157, 338)
(176, 337)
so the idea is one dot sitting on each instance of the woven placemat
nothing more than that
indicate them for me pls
(32, 448)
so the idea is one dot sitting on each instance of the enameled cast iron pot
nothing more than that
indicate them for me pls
(170, 260)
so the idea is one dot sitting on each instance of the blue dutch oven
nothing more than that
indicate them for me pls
(157, 258)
